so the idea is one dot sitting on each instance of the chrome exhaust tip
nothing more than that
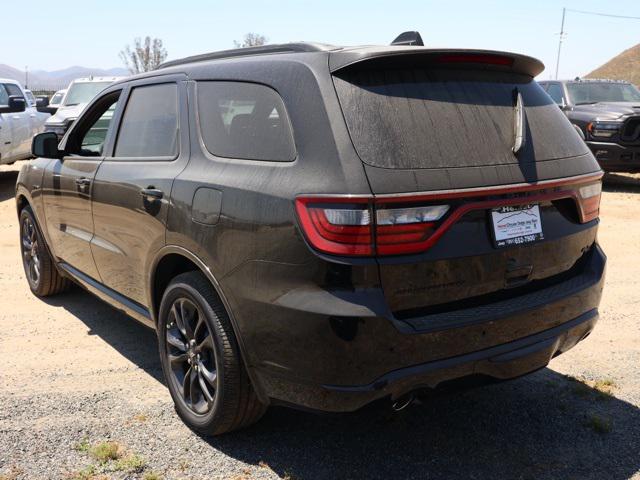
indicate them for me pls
(402, 403)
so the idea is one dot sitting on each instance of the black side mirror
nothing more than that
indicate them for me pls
(46, 145)
(42, 105)
(42, 101)
(16, 104)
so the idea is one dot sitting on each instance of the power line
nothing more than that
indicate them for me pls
(583, 12)
(602, 14)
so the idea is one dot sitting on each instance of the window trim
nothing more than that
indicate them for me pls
(71, 132)
(249, 161)
(130, 88)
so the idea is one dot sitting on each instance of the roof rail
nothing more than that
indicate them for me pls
(298, 47)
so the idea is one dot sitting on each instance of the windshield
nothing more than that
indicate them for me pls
(84, 92)
(57, 98)
(594, 92)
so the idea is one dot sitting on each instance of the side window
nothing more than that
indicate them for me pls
(245, 121)
(89, 136)
(149, 127)
(555, 92)
(4, 95)
(13, 90)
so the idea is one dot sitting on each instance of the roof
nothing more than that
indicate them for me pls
(343, 57)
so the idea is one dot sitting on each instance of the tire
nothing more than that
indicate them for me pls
(42, 274)
(192, 355)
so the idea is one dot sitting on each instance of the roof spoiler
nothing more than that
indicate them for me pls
(421, 57)
(409, 39)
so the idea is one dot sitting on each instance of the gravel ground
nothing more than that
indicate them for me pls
(75, 373)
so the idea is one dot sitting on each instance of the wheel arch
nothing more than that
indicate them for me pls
(173, 260)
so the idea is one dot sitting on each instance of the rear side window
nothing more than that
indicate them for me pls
(413, 118)
(245, 121)
(149, 127)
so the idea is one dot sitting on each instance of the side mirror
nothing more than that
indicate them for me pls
(16, 104)
(42, 105)
(46, 145)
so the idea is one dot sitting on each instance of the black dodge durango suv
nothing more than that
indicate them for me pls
(322, 227)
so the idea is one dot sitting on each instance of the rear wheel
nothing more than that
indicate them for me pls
(39, 268)
(201, 359)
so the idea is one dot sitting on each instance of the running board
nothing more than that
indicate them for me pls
(110, 296)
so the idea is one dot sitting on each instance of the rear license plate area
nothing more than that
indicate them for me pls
(516, 225)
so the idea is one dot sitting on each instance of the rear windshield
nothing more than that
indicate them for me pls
(419, 118)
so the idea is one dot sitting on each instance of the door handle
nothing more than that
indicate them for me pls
(83, 182)
(152, 192)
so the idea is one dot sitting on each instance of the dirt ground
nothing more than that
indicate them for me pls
(75, 373)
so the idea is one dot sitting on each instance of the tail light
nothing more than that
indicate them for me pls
(344, 226)
(589, 201)
(368, 226)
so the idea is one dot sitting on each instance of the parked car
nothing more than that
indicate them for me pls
(56, 98)
(31, 98)
(19, 122)
(322, 227)
(79, 93)
(606, 114)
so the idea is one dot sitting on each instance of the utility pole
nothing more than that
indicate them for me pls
(564, 11)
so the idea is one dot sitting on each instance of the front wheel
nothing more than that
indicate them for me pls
(201, 360)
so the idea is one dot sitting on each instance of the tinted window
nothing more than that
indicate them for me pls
(13, 90)
(149, 126)
(438, 118)
(555, 92)
(244, 120)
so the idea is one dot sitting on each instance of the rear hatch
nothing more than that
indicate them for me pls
(482, 188)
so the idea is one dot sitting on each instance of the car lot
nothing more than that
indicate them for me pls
(74, 373)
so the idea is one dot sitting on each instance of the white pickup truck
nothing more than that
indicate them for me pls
(19, 122)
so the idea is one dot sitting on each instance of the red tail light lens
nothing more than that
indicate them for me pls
(406, 230)
(337, 226)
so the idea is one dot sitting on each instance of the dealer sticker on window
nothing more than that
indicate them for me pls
(516, 225)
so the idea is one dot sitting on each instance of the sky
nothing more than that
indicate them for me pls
(90, 34)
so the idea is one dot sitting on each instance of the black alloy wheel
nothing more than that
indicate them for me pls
(191, 355)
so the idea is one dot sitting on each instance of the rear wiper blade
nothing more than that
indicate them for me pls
(586, 103)
(518, 122)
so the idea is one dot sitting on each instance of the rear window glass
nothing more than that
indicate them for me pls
(438, 118)
(149, 125)
(244, 120)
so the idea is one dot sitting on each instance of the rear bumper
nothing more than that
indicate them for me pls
(616, 158)
(341, 363)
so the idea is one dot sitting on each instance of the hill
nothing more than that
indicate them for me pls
(625, 66)
(57, 79)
